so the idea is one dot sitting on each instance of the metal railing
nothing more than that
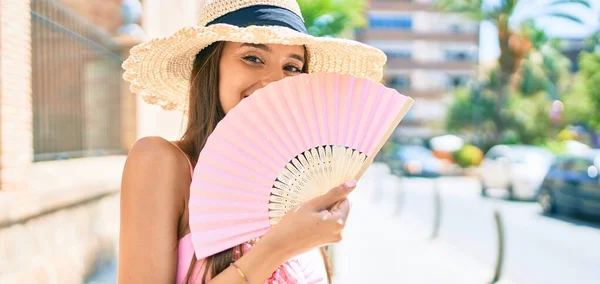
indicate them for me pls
(76, 82)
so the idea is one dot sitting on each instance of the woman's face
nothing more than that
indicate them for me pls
(246, 67)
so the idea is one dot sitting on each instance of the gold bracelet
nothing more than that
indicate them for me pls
(240, 272)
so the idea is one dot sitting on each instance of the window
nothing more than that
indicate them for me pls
(496, 155)
(497, 152)
(399, 82)
(459, 55)
(76, 86)
(573, 165)
(455, 28)
(390, 22)
(458, 81)
(581, 165)
(402, 54)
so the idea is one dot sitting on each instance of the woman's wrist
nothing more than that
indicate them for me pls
(263, 259)
(276, 245)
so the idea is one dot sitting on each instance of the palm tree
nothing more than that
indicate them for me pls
(332, 18)
(514, 45)
(544, 66)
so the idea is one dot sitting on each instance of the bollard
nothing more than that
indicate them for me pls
(377, 190)
(437, 207)
(400, 196)
(500, 247)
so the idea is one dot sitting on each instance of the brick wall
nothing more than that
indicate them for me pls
(16, 134)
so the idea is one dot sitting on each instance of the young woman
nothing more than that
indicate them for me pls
(237, 48)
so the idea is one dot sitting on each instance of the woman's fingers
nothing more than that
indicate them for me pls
(340, 212)
(330, 198)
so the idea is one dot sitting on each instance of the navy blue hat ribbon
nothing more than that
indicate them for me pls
(262, 15)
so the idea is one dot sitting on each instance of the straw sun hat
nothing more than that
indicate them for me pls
(159, 70)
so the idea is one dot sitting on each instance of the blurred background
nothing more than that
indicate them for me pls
(492, 177)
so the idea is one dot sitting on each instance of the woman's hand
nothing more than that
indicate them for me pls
(315, 223)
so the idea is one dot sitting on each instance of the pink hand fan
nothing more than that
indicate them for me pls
(289, 142)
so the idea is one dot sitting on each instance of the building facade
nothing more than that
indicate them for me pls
(429, 54)
(67, 121)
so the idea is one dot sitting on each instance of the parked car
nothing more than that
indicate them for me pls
(572, 185)
(518, 169)
(414, 160)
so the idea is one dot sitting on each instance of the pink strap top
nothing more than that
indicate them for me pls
(307, 268)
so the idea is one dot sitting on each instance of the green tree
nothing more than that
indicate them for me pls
(526, 117)
(592, 41)
(332, 17)
(579, 108)
(589, 62)
(470, 109)
(529, 119)
(514, 44)
(545, 68)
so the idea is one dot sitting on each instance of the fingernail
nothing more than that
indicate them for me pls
(350, 184)
(340, 221)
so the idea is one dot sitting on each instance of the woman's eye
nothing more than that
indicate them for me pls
(292, 68)
(253, 59)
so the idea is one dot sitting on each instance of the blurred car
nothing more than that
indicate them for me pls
(519, 169)
(573, 185)
(414, 160)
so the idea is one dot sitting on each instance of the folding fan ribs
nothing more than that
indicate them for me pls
(289, 142)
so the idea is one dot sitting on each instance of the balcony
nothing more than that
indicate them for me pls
(399, 63)
(408, 35)
(400, 5)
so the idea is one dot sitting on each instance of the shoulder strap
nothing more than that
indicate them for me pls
(186, 158)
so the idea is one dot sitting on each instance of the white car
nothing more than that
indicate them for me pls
(518, 169)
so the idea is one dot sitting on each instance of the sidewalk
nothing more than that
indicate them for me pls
(377, 249)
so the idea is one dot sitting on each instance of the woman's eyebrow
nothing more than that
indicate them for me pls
(259, 46)
(296, 56)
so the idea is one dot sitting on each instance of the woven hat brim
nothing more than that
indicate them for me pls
(159, 70)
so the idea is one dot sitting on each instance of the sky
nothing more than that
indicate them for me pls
(554, 27)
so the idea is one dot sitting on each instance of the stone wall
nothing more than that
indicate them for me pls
(65, 226)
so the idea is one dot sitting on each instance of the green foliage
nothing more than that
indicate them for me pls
(331, 18)
(579, 108)
(529, 118)
(592, 41)
(526, 119)
(468, 156)
(557, 147)
(590, 72)
(469, 108)
(545, 67)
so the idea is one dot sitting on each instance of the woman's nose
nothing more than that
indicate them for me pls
(271, 77)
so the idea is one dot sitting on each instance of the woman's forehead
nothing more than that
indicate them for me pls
(267, 46)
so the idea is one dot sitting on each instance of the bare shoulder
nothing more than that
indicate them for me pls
(153, 148)
(156, 165)
(153, 151)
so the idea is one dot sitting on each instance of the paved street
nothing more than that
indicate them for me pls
(397, 215)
